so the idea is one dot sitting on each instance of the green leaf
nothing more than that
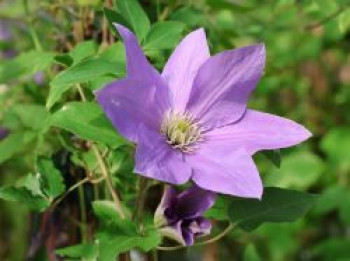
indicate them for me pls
(251, 254)
(82, 72)
(86, 71)
(88, 121)
(105, 210)
(133, 13)
(336, 144)
(344, 21)
(117, 235)
(299, 170)
(344, 210)
(114, 53)
(189, 15)
(53, 183)
(111, 245)
(219, 210)
(333, 249)
(87, 252)
(274, 156)
(114, 17)
(64, 59)
(25, 64)
(329, 199)
(14, 143)
(24, 196)
(163, 35)
(33, 184)
(83, 50)
(26, 112)
(276, 205)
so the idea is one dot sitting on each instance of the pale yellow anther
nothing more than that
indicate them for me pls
(181, 131)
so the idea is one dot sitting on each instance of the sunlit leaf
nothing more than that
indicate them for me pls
(86, 120)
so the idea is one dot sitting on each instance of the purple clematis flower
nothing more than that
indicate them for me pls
(180, 217)
(191, 121)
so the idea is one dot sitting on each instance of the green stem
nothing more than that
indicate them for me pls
(158, 9)
(154, 255)
(32, 32)
(109, 183)
(103, 167)
(140, 202)
(83, 217)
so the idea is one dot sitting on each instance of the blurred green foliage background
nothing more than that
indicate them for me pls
(307, 79)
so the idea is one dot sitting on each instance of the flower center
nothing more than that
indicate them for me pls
(181, 131)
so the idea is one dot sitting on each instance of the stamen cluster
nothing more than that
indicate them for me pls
(181, 131)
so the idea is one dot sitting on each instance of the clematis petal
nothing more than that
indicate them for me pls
(137, 65)
(234, 173)
(223, 84)
(174, 232)
(258, 131)
(194, 201)
(200, 226)
(169, 199)
(141, 98)
(204, 225)
(157, 160)
(128, 103)
(183, 66)
(188, 236)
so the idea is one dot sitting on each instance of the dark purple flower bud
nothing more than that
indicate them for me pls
(180, 216)
(3, 133)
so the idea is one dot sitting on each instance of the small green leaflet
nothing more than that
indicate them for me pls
(274, 156)
(300, 170)
(220, 209)
(114, 17)
(82, 72)
(116, 236)
(25, 113)
(33, 184)
(87, 120)
(163, 35)
(87, 252)
(14, 143)
(111, 245)
(37, 191)
(344, 21)
(24, 196)
(277, 205)
(83, 50)
(52, 180)
(135, 16)
(105, 210)
(336, 145)
(25, 64)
